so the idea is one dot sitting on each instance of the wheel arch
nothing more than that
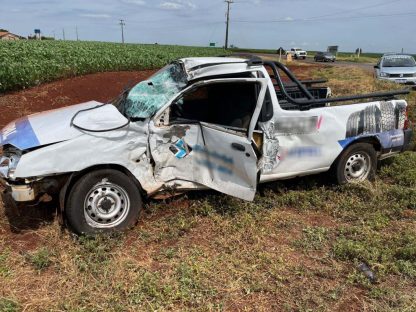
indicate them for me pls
(75, 176)
(372, 139)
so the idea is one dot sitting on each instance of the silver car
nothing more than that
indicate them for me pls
(399, 68)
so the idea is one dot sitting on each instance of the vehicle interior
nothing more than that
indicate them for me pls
(227, 104)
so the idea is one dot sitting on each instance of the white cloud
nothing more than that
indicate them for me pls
(170, 6)
(289, 18)
(92, 15)
(177, 5)
(136, 2)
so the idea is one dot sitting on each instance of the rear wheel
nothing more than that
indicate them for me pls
(356, 164)
(103, 201)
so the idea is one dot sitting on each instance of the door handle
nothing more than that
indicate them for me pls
(239, 147)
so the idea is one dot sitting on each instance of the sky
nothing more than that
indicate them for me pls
(373, 25)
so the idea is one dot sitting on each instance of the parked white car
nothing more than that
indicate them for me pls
(298, 53)
(199, 123)
(399, 68)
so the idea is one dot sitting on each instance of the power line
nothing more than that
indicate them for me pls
(122, 24)
(322, 19)
(356, 9)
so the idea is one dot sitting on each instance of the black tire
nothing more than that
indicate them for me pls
(353, 125)
(388, 116)
(124, 195)
(346, 159)
(372, 116)
(400, 113)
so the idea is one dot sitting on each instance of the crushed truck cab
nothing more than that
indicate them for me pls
(226, 123)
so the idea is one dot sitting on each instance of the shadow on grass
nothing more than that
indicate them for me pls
(23, 217)
(210, 201)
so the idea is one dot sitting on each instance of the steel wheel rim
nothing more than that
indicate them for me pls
(106, 205)
(357, 167)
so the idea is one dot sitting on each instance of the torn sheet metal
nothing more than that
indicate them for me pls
(271, 148)
(197, 68)
(126, 147)
(205, 156)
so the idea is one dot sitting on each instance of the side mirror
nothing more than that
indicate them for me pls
(377, 67)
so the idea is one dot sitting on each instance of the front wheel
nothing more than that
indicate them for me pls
(103, 201)
(356, 164)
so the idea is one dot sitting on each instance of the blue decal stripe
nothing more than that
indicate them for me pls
(346, 142)
(23, 137)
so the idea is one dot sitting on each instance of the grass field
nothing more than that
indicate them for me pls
(297, 247)
(28, 63)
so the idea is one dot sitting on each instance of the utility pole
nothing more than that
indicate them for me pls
(122, 24)
(76, 32)
(228, 22)
(63, 33)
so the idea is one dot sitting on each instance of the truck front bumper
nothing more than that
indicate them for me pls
(408, 81)
(32, 190)
(20, 193)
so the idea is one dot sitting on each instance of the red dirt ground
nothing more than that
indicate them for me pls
(100, 87)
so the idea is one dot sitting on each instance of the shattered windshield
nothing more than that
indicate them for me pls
(147, 97)
(399, 61)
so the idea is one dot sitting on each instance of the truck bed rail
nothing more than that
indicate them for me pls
(309, 101)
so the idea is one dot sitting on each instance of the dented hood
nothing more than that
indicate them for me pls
(55, 125)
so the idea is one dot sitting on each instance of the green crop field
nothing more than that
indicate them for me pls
(28, 63)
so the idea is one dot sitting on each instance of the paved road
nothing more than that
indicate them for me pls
(366, 66)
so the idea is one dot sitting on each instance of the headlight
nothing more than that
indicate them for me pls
(4, 166)
(384, 74)
(8, 164)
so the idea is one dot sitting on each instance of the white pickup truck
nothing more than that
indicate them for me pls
(298, 53)
(222, 123)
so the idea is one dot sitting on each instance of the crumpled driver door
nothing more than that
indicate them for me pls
(210, 155)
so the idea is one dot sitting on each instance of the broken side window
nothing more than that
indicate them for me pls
(147, 97)
(228, 104)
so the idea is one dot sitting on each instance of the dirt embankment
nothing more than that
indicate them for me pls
(99, 87)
